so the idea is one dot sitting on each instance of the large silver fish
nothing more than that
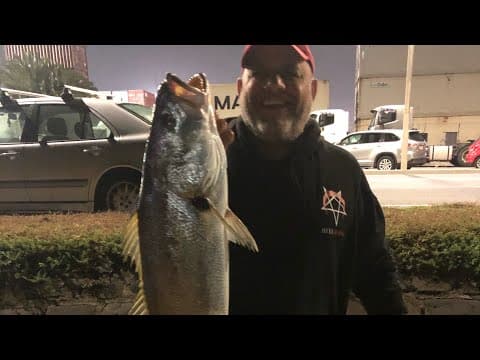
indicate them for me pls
(179, 236)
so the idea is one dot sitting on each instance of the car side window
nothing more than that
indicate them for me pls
(370, 138)
(11, 126)
(99, 128)
(61, 123)
(351, 140)
(391, 137)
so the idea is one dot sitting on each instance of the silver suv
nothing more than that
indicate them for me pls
(381, 149)
(71, 154)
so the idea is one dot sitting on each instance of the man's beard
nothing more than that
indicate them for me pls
(285, 129)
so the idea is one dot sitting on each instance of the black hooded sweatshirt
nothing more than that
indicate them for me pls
(319, 228)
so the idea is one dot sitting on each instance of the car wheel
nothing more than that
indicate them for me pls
(119, 195)
(386, 163)
(122, 196)
(461, 154)
(476, 163)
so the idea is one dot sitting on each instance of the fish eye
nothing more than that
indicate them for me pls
(169, 121)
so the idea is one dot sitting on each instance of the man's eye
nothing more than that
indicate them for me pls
(290, 74)
(258, 74)
(286, 75)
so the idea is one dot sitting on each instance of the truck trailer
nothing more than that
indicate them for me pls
(444, 97)
(392, 117)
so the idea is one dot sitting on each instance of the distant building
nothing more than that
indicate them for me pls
(70, 56)
(141, 97)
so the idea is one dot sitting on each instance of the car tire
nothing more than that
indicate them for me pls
(386, 162)
(460, 157)
(476, 163)
(118, 194)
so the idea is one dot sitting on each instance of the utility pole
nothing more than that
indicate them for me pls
(406, 108)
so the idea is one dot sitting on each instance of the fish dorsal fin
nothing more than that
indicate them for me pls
(242, 235)
(131, 249)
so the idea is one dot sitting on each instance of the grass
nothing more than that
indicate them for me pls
(62, 226)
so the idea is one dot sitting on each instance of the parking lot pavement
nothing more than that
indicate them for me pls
(438, 164)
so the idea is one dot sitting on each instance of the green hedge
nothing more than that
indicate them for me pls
(45, 269)
(41, 257)
(441, 242)
(45, 257)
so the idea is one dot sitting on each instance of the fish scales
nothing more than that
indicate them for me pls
(181, 229)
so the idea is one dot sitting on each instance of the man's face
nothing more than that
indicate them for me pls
(276, 91)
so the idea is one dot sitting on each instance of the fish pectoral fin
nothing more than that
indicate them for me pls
(242, 235)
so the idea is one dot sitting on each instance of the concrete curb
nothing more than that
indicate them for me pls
(424, 171)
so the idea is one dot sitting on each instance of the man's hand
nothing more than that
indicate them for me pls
(226, 134)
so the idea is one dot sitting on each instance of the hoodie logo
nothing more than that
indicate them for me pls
(335, 203)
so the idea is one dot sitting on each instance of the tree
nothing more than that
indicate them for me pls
(39, 75)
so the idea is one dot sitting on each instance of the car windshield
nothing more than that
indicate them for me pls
(416, 136)
(144, 113)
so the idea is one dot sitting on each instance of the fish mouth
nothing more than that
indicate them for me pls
(197, 83)
(195, 91)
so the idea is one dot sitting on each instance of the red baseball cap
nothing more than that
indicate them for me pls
(302, 50)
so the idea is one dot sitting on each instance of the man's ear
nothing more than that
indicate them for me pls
(239, 85)
(314, 88)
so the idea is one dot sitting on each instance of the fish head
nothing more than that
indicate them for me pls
(187, 150)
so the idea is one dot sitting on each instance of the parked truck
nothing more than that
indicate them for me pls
(334, 123)
(391, 117)
(445, 88)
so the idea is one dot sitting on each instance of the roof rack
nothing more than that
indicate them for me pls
(24, 93)
(6, 100)
(98, 94)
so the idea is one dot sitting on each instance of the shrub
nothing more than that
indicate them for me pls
(440, 242)
(41, 257)
(44, 256)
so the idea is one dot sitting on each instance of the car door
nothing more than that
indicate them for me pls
(367, 148)
(12, 175)
(70, 152)
(353, 144)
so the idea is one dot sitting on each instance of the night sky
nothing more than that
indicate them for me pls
(123, 67)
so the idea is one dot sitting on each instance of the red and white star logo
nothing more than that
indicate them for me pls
(334, 202)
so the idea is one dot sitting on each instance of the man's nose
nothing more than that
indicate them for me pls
(275, 81)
